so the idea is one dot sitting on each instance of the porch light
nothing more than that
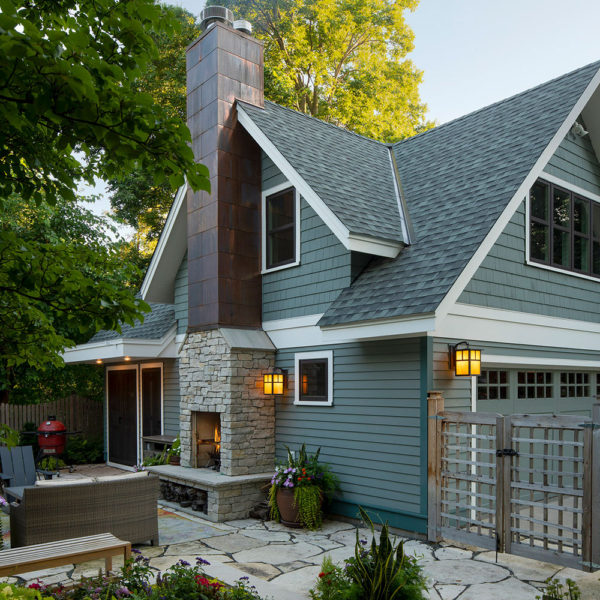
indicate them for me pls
(128, 358)
(274, 382)
(465, 361)
(98, 361)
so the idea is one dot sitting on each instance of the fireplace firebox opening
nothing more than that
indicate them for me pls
(206, 442)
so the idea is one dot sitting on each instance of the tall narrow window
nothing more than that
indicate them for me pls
(280, 225)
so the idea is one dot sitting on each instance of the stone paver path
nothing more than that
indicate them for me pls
(290, 559)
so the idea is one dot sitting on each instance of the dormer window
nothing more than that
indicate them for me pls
(564, 229)
(280, 228)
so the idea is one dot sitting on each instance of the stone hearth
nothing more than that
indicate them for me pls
(227, 497)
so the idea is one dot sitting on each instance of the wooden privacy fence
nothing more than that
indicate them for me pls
(78, 414)
(520, 484)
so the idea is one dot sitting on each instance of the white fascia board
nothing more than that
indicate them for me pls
(363, 243)
(160, 275)
(300, 332)
(490, 239)
(501, 360)
(117, 349)
(479, 323)
(368, 245)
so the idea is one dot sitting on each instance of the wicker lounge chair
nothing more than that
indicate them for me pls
(124, 506)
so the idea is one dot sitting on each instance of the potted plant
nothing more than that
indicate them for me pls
(175, 452)
(299, 488)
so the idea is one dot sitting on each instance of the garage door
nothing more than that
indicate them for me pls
(519, 391)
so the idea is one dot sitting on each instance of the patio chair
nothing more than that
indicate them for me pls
(18, 470)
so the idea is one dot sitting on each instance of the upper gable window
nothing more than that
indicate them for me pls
(564, 229)
(280, 227)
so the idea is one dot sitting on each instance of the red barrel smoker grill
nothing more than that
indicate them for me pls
(52, 437)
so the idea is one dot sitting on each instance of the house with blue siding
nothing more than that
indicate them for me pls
(355, 268)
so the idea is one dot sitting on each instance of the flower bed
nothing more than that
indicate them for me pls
(180, 582)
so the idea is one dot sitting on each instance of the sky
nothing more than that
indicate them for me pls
(476, 52)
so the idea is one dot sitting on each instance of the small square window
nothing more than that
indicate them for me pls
(314, 378)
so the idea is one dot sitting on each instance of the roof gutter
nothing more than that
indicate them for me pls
(408, 232)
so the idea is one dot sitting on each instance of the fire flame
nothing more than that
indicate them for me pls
(217, 439)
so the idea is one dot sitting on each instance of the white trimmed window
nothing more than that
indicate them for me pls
(280, 227)
(314, 378)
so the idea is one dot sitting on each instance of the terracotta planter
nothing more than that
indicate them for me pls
(287, 510)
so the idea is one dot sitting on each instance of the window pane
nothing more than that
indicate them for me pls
(539, 201)
(561, 210)
(561, 254)
(313, 375)
(581, 216)
(581, 253)
(596, 221)
(596, 258)
(539, 242)
(280, 210)
(281, 247)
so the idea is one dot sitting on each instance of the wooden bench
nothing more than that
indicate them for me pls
(63, 552)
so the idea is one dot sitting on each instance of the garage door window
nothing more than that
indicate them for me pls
(534, 384)
(492, 385)
(574, 385)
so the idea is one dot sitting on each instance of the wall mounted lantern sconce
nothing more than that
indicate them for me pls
(274, 382)
(465, 361)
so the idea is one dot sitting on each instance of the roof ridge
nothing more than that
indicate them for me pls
(498, 103)
(317, 120)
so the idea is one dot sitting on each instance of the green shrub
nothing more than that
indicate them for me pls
(334, 584)
(379, 572)
(82, 451)
(555, 590)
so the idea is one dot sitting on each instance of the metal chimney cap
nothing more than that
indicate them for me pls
(243, 26)
(212, 14)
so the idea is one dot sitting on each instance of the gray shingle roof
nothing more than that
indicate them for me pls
(156, 324)
(350, 173)
(457, 179)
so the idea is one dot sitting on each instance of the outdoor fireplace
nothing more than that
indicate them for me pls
(206, 439)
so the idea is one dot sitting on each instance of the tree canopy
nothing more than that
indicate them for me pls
(343, 61)
(71, 110)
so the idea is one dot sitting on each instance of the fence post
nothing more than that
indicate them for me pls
(435, 405)
(594, 473)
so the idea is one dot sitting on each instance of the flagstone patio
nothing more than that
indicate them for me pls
(284, 563)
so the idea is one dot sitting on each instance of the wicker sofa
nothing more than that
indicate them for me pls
(125, 506)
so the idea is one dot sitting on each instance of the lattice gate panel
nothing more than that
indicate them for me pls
(545, 503)
(468, 478)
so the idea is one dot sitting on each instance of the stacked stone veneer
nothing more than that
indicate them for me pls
(217, 378)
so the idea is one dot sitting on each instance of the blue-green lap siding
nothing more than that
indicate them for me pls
(171, 397)
(325, 267)
(181, 296)
(575, 161)
(372, 436)
(505, 281)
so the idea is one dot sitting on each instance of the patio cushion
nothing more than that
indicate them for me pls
(61, 481)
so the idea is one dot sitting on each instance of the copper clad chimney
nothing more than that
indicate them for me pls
(224, 284)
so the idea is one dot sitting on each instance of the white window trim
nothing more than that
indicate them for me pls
(269, 192)
(328, 354)
(573, 189)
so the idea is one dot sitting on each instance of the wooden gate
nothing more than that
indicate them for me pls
(521, 484)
